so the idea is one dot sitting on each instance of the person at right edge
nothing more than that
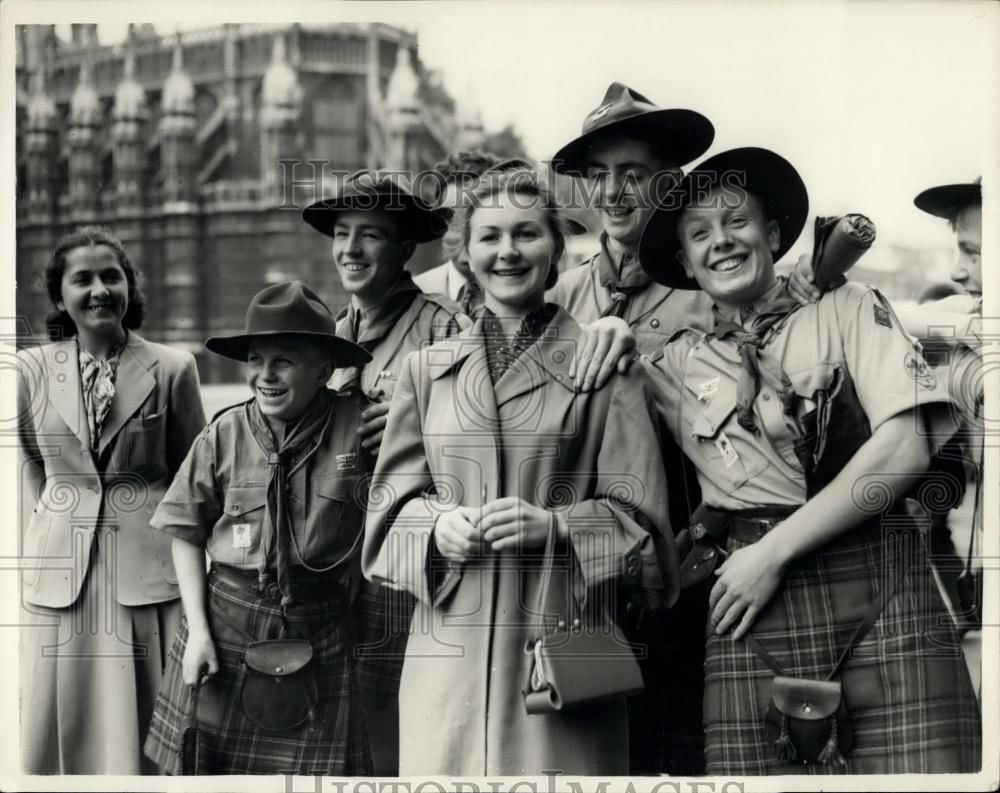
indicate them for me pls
(828, 647)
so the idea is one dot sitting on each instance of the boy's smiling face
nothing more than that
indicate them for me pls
(284, 373)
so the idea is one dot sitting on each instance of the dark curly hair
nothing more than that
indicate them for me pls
(58, 323)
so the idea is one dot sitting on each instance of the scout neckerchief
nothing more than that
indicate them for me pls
(760, 318)
(622, 285)
(301, 440)
(501, 352)
(97, 381)
(367, 327)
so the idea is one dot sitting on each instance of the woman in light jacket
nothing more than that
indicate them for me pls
(488, 445)
(105, 419)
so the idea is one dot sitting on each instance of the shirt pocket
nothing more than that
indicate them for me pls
(238, 534)
(338, 520)
(729, 459)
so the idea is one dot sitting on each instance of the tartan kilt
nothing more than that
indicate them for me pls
(906, 684)
(230, 743)
(384, 616)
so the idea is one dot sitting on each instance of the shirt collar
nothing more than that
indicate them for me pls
(741, 314)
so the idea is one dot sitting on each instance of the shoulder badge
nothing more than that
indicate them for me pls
(882, 316)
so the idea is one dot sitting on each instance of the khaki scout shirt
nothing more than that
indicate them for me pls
(695, 379)
(428, 319)
(654, 314)
(217, 499)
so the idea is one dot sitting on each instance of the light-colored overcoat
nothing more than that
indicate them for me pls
(454, 438)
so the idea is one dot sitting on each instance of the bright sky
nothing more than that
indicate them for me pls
(872, 101)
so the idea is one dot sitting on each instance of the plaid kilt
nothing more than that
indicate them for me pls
(233, 744)
(906, 685)
(384, 616)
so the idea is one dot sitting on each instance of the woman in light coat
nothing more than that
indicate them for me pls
(105, 419)
(488, 443)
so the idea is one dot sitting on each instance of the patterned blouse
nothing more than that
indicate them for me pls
(501, 350)
(97, 380)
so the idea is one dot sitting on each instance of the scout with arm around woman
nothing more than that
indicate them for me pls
(829, 648)
(488, 449)
(272, 491)
(106, 418)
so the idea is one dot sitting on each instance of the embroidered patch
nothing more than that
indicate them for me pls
(921, 372)
(241, 535)
(729, 455)
(882, 316)
(347, 462)
(709, 387)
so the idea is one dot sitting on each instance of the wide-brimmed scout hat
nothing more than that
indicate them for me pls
(365, 191)
(292, 310)
(947, 200)
(680, 136)
(767, 175)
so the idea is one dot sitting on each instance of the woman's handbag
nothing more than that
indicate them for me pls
(575, 665)
(807, 720)
(278, 689)
(190, 748)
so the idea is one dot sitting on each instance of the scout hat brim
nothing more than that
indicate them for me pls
(419, 222)
(767, 175)
(344, 352)
(677, 135)
(947, 200)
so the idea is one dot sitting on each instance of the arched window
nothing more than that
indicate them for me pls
(338, 118)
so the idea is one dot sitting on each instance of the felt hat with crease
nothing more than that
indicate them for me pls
(947, 200)
(289, 309)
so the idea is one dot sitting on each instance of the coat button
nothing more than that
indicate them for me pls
(654, 322)
(273, 591)
(766, 396)
(235, 508)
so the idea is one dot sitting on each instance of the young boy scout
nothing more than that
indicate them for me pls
(376, 224)
(270, 489)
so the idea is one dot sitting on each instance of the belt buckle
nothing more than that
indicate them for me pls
(269, 591)
(763, 527)
(697, 531)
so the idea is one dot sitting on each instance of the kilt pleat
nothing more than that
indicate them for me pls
(384, 618)
(230, 743)
(912, 704)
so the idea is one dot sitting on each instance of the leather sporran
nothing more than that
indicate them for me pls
(808, 722)
(278, 688)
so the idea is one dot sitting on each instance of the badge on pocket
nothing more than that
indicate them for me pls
(729, 455)
(241, 535)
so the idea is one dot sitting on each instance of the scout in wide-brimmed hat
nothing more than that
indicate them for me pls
(292, 310)
(962, 206)
(947, 200)
(366, 191)
(727, 177)
(683, 135)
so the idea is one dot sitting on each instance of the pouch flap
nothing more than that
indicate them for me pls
(240, 500)
(810, 700)
(698, 564)
(278, 657)
(588, 665)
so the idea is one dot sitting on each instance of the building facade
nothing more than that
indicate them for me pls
(198, 149)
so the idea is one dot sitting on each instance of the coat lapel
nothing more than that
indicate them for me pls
(64, 388)
(548, 358)
(133, 384)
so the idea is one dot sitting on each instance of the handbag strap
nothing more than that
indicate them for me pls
(976, 506)
(548, 561)
(872, 614)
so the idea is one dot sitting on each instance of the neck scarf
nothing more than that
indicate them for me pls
(97, 381)
(501, 352)
(302, 439)
(622, 285)
(757, 321)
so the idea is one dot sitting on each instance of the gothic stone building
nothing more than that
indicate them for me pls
(174, 143)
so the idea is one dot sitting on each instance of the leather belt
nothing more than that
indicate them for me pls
(306, 586)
